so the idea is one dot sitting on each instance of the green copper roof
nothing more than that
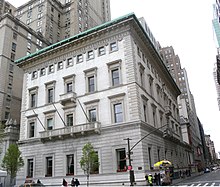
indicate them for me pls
(77, 36)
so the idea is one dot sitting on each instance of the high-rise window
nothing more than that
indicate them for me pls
(70, 164)
(51, 68)
(79, 58)
(121, 160)
(149, 157)
(30, 167)
(49, 166)
(69, 62)
(90, 55)
(42, 71)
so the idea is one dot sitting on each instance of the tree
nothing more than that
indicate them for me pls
(12, 161)
(89, 161)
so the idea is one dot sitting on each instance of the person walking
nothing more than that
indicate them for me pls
(156, 181)
(73, 182)
(150, 180)
(64, 183)
(77, 182)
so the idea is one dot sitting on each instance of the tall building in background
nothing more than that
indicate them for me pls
(216, 26)
(59, 19)
(187, 109)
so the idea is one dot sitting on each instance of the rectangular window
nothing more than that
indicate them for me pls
(118, 112)
(79, 58)
(145, 113)
(149, 157)
(31, 129)
(95, 167)
(13, 47)
(101, 51)
(51, 68)
(50, 95)
(30, 168)
(90, 55)
(69, 87)
(91, 84)
(70, 164)
(49, 123)
(113, 46)
(59, 65)
(12, 57)
(69, 119)
(121, 160)
(34, 74)
(49, 166)
(42, 71)
(33, 98)
(92, 115)
(115, 77)
(15, 35)
(69, 62)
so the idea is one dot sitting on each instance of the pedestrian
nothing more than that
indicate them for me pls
(64, 183)
(150, 180)
(156, 180)
(73, 182)
(77, 182)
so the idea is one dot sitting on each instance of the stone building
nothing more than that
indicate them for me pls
(102, 86)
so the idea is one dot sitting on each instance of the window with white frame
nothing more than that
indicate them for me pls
(59, 65)
(50, 68)
(95, 166)
(32, 129)
(113, 46)
(92, 115)
(50, 123)
(92, 110)
(91, 80)
(33, 92)
(150, 157)
(90, 54)
(121, 160)
(69, 62)
(142, 76)
(101, 50)
(42, 71)
(30, 167)
(70, 164)
(79, 58)
(117, 108)
(69, 119)
(34, 74)
(50, 92)
(14, 45)
(114, 69)
(154, 115)
(49, 166)
(69, 83)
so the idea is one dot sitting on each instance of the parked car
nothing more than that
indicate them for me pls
(207, 170)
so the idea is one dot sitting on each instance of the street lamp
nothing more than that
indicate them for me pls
(131, 171)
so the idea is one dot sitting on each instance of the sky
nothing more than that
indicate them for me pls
(187, 26)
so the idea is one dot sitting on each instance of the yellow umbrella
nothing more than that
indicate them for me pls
(163, 163)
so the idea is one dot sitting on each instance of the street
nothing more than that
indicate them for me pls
(206, 179)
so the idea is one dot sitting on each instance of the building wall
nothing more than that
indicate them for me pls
(139, 67)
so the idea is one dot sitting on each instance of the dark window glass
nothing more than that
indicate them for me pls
(30, 167)
(115, 77)
(92, 115)
(70, 164)
(31, 131)
(121, 160)
(49, 166)
(91, 84)
(50, 95)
